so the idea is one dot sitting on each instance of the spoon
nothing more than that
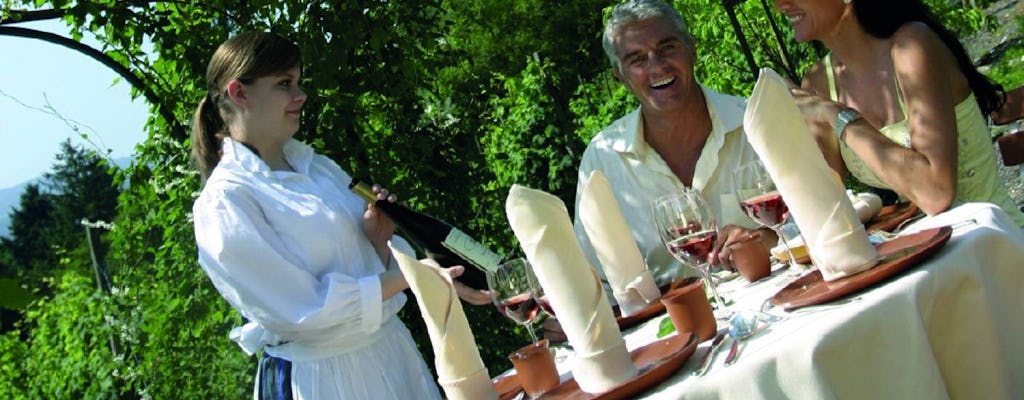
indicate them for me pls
(767, 317)
(710, 355)
(741, 326)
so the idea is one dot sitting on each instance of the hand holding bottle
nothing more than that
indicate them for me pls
(376, 224)
(438, 239)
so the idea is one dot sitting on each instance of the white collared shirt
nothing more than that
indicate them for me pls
(287, 249)
(638, 175)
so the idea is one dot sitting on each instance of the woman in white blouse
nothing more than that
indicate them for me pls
(303, 259)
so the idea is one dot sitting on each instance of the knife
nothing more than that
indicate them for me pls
(710, 355)
(734, 352)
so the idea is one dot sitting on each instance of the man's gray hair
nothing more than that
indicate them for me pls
(638, 10)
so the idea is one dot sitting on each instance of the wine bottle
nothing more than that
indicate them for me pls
(440, 240)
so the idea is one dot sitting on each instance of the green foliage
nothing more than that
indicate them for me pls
(12, 295)
(77, 187)
(1010, 74)
(13, 351)
(29, 242)
(82, 188)
(168, 315)
(721, 63)
(598, 103)
(70, 358)
(524, 142)
(962, 18)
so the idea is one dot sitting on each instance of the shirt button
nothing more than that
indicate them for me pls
(970, 173)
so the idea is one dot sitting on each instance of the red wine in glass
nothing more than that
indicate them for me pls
(767, 209)
(687, 227)
(694, 247)
(546, 305)
(684, 230)
(521, 308)
(759, 198)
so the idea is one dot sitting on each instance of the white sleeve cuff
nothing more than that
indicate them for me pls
(372, 303)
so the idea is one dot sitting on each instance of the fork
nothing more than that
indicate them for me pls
(883, 236)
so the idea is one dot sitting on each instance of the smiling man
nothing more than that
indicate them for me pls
(683, 134)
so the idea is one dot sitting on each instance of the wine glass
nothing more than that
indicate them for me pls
(688, 229)
(558, 340)
(510, 292)
(760, 199)
(538, 291)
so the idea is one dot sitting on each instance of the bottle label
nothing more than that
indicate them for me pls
(471, 250)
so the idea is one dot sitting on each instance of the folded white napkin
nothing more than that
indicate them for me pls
(776, 130)
(542, 225)
(460, 371)
(867, 205)
(632, 283)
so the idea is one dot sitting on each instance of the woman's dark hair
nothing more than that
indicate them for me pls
(245, 57)
(881, 19)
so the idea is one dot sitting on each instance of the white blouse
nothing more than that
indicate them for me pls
(287, 250)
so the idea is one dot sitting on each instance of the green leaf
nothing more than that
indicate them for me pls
(665, 327)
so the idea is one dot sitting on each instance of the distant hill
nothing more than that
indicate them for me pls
(11, 197)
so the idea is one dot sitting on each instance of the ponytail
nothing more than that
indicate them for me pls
(207, 134)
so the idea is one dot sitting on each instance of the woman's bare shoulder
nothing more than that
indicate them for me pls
(916, 42)
(914, 32)
(920, 56)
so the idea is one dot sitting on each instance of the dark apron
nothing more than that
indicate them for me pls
(275, 378)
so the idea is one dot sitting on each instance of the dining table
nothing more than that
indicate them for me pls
(949, 327)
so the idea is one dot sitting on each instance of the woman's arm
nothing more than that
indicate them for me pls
(925, 173)
(391, 282)
(815, 82)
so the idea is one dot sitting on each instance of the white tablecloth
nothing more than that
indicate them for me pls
(951, 327)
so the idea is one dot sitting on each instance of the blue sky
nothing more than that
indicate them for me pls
(40, 74)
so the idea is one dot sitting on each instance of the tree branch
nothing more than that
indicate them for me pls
(177, 129)
(18, 16)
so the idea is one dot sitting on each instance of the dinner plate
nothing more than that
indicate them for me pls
(888, 218)
(891, 216)
(652, 310)
(805, 260)
(655, 362)
(507, 386)
(896, 255)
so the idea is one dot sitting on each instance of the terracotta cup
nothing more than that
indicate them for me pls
(690, 310)
(535, 367)
(751, 258)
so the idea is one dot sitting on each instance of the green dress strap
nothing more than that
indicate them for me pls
(831, 74)
(899, 95)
